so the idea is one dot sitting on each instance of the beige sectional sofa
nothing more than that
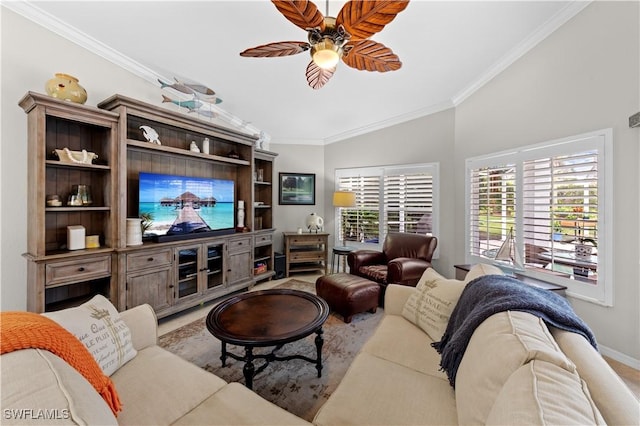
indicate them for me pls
(515, 371)
(156, 387)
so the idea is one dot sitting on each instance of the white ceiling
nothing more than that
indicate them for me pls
(448, 49)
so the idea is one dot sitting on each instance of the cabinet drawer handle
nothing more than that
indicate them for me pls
(150, 259)
(81, 269)
(170, 285)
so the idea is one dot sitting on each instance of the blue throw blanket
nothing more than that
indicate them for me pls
(490, 294)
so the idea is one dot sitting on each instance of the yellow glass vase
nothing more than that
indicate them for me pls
(66, 87)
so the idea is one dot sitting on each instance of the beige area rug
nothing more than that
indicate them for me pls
(293, 385)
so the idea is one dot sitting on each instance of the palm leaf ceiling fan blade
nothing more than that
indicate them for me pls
(362, 19)
(302, 13)
(369, 55)
(318, 77)
(330, 39)
(281, 48)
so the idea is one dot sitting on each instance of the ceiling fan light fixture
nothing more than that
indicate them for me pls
(326, 54)
(331, 39)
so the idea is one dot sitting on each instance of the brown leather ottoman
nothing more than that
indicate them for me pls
(348, 294)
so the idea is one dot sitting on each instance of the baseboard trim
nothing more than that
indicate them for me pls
(620, 357)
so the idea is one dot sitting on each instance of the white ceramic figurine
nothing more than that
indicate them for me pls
(150, 134)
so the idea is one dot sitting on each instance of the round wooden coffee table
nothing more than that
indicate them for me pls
(268, 318)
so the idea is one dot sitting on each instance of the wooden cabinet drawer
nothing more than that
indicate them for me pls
(306, 256)
(77, 270)
(240, 245)
(305, 240)
(262, 240)
(145, 260)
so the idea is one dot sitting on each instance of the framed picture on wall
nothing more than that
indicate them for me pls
(297, 188)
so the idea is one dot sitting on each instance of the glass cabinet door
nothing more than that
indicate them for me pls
(214, 265)
(187, 271)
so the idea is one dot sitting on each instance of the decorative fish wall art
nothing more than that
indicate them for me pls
(199, 91)
(191, 105)
(188, 88)
(202, 104)
(203, 97)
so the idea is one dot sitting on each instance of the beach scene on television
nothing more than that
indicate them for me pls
(183, 205)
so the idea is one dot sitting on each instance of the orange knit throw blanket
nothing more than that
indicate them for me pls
(25, 330)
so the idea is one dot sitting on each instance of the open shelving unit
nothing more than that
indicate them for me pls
(263, 253)
(170, 275)
(57, 277)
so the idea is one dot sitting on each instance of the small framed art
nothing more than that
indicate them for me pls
(297, 188)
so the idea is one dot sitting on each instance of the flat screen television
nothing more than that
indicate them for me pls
(184, 205)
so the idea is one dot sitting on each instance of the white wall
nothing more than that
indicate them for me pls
(425, 140)
(584, 77)
(296, 159)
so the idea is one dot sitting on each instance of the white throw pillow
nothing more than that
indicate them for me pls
(430, 306)
(428, 275)
(481, 269)
(97, 324)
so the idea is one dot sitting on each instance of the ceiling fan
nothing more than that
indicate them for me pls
(345, 37)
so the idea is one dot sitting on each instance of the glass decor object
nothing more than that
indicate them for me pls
(66, 87)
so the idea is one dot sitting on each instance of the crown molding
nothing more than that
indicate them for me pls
(53, 24)
(545, 30)
(399, 119)
(46, 20)
(298, 141)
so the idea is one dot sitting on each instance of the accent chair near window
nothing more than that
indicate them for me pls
(403, 260)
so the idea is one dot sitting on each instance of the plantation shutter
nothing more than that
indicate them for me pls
(560, 211)
(360, 223)
(560, 205)
(492, 205)
(408, 202)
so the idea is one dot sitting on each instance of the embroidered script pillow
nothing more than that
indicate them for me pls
(430, 306)
(97, 324)
(428, 275)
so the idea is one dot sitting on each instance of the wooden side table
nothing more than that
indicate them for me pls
(306, 252)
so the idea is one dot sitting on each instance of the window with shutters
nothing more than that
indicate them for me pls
(361, 223)
(547, 203)
(492, 206)
(388, 199)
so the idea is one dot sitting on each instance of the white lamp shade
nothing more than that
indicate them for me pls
(326, 54)
(326, 59)
(344, 199)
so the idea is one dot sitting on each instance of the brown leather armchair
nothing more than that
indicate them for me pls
(403, 259)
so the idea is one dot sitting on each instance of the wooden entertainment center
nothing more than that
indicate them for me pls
(172, 275)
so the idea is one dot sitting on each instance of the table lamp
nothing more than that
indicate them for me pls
(344, 199)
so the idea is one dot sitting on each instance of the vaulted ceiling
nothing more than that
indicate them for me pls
(448, 49)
